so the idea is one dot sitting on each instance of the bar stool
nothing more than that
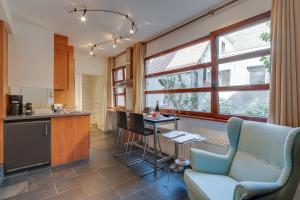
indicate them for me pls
(137, 126)
(122, 127)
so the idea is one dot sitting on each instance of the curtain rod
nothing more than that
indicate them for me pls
(211, 12)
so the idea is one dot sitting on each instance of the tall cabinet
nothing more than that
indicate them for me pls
(64, 77)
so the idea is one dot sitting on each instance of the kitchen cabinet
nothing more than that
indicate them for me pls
(61, 62)
(70, 139)
(26, 144)
(67, 96)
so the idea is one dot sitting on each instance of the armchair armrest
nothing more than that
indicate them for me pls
(249, 189)
(207, 162)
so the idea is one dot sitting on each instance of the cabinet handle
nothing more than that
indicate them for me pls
(46, 129)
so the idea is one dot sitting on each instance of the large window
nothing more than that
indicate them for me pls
(119, 93)
(224, 74)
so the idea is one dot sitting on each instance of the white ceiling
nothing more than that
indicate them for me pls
(151, 16)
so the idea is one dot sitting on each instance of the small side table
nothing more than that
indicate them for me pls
(187, 138)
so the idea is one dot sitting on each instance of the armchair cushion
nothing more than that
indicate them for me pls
(249, 189)
(209, 186)
(214, 163)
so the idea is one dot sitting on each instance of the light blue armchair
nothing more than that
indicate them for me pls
(263, 162)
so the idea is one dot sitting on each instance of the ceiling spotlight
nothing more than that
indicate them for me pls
(92, 53)
(131, 30)
(115, 43)
(83, 17)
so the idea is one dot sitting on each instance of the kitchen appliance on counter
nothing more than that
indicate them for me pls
(28, 109)
(57, 107)
(15, 105)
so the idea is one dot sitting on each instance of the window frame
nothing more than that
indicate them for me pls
(115, 86)
(215, 61)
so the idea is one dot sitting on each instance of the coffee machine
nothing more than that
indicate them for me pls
(15, 105)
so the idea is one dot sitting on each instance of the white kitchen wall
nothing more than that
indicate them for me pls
(30, 56)
(96, 66)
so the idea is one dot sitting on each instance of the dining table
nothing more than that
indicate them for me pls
(156, 122)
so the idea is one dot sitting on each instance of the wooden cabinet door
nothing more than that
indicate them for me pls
(70, 139)
(61, 68)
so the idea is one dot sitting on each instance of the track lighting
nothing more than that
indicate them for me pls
(129, 19)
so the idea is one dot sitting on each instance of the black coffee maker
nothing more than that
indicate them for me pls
(15, 105)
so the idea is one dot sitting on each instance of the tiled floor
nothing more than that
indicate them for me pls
(100, 178)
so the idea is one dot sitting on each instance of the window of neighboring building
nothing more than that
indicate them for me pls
(223, 74)
(119, 93)
(258, 74)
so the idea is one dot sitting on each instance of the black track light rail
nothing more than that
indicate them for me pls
(126, 16)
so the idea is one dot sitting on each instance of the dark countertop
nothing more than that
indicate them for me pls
(46, 115)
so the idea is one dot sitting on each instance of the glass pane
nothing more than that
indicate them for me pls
(190, 79)
(198, 102)
(249, 39)
(195, 54)
(121, 100)
(245, 103)
(245, 72)
(119, 90)
(119, 75)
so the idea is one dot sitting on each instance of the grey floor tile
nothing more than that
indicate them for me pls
(140, 195)
(24, 176)
(68, 166)
(108, 171)
(77, 181)
(105, 195)
(73, 194)
(165, 188)
(115, 179)
(96, 165)
(51, 178)
(129, 187)
(13, 190)
(38, 194)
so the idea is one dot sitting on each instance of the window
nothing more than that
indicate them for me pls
(119, 93)
(181, 79)
(223, 74)
(245, 93)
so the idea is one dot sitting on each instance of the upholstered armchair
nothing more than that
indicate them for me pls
(263, 162)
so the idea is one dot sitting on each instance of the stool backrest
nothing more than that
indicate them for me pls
(137, 123)
(122, 120)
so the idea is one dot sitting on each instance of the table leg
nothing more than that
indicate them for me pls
(155, 149)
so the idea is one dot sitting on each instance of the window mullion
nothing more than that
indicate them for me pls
(214, 74)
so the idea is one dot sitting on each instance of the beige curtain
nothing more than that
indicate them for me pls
(285, 64)
(109, 92)
(109, 95)
(138, 77)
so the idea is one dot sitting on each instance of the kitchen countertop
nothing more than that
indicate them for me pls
(45, 115)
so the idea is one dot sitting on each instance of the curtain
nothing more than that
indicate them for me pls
(109, 95)
(285, 63)
(109, 92)
(138, 77)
